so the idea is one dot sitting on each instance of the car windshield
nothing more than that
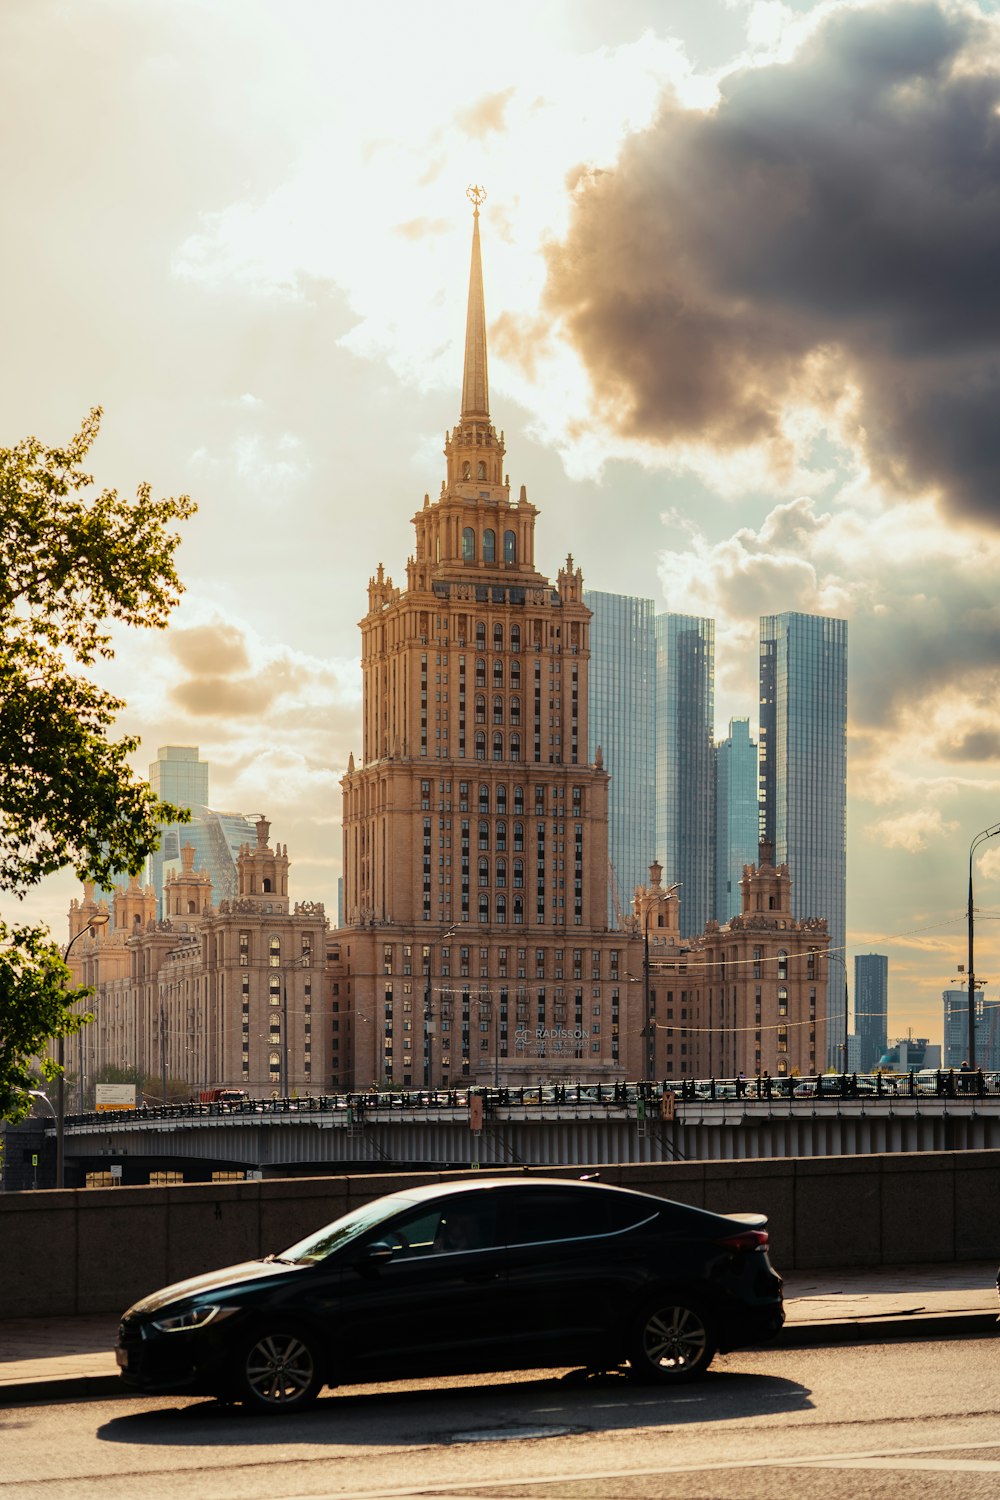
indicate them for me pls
(331, 1237)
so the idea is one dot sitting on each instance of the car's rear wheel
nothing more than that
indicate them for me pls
(673, 1340)
(279, 1370)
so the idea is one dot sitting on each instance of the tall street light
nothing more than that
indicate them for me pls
(100, 919)
(428, 1006)
(987, 833)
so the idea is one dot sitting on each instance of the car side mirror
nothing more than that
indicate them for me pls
(378, 1253)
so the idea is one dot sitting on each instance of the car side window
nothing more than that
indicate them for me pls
(539, 1216)
(462, 1223)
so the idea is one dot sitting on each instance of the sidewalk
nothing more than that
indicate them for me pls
(70, 1359)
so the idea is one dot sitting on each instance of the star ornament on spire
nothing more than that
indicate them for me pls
(476, 195)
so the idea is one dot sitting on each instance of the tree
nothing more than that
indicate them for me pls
(74, 564)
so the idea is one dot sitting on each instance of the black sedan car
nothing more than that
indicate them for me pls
(494, 1274)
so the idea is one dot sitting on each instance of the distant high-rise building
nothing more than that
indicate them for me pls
(623, 724)
(736, 816)
(871, 1002)
(685, 763)
(956, 1030)
(803, 775)
(179, 776)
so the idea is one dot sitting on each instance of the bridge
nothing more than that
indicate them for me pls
(714, 1121)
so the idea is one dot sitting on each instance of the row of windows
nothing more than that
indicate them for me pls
(489, 540)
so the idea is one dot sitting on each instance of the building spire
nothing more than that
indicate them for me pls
(475, 385)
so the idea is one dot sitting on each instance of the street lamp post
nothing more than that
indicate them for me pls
(428, 1006)
(987, 833)
(100, 919)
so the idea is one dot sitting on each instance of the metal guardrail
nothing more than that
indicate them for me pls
(638, 1099)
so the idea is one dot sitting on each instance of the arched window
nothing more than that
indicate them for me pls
(484, 872)
(782, 964)
(480, 745)
(480, 635)
(468, 543)
(515, 674)
(484, 908)
(518, 910)
(501, 834)
(466, 471)
(274, 952)
(489, 545)
(518, 874)
(518, 835)
(498, 637)
(501, 795)
(484, 797)
(480, 709)
(515, 710)
(509, 548)
(480, 672)
(498, 673)
(519, 799)
(501, 869)
(498, 710)
(274, 1063)
(501, 910)
(515, 747)
(274, 990)
(484, 835)
(480, 470)
(515, 637)
(498, 747)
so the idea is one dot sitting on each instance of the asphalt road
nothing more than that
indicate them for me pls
(887, 1420)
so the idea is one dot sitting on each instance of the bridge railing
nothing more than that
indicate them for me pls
(636, 1098)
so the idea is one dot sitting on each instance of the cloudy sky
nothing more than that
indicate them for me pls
(741, 276)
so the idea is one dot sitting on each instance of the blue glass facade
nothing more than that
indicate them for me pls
(179, 776)
(956, 1030)
(871, 1004)
(736, 816)
(803, 776)
(685, 763)
(622, 721)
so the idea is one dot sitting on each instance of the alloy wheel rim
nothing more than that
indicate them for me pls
(279, 1369)
(674, 1337)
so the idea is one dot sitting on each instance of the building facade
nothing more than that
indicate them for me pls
(178, 775)
(622, 726)
(736, 817)
(803, 777)
(208, 995)
(871, 1008)
(956, 1030)
(685, 762)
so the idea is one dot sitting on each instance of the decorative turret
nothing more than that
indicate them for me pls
(263, 872)
(656, 907)
(767, 891)
(135, 906)
(187, 892)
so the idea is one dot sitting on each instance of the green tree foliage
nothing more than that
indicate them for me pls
(74, 565)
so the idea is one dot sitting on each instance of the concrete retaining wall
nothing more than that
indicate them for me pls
(99, 1250)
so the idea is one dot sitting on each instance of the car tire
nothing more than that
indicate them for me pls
(278, 1370)
(673, 1340)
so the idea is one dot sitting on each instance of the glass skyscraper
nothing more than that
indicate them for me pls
(179, 776)
(736, 817)
(685, 763)
(956, 1030)
(871, 1004)
(622, 721)
(803, 777)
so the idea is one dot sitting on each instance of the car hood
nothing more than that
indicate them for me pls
(227, 1278)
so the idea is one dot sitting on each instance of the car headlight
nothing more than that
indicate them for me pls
(192, 1317)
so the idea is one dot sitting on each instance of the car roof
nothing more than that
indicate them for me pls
(438, 1190)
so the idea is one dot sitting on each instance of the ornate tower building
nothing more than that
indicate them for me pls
(475, 828)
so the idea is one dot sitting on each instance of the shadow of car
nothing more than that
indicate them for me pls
(499, 1274)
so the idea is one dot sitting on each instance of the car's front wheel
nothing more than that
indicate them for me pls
(279, 1371)
(673, 1340)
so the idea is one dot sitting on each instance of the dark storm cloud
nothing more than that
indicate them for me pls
(836, 218)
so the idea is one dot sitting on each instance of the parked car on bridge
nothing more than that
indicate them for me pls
(496, 1274)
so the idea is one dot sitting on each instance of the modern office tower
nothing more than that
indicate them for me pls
(623, 726)
(956, 1030)
(803, 777)
(685, 763)
(179, 776)
(736, 816)
(871, 1006)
